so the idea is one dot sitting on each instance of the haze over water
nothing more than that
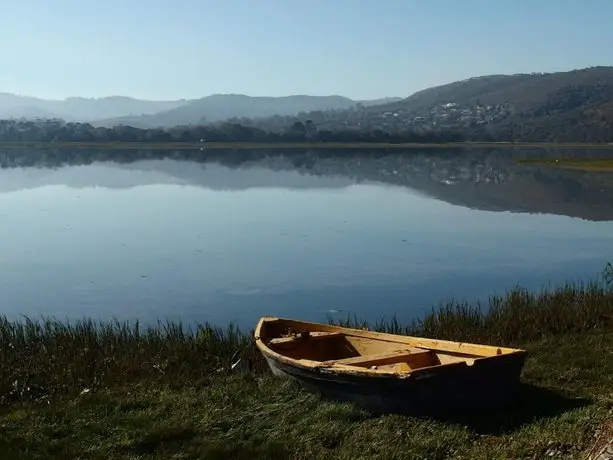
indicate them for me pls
(220, 236)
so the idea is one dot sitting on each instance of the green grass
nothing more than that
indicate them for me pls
(119, 391)
(39, 360)
(581, 164)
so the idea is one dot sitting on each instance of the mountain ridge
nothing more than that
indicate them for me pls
(571, 106)
(77, 108)
(221, 107)
(115, 110)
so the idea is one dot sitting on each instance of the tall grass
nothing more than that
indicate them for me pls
(518, 317)
(607, 275)
(41, 359)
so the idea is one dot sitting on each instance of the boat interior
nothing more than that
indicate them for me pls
(348, 348)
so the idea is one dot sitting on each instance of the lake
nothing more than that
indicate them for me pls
(233, 235)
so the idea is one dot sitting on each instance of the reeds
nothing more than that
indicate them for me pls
(39, 359)
(518, 317)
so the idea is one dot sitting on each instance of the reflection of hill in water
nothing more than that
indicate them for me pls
(480, 179)
(148, 172)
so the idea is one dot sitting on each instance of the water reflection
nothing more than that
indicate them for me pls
(223, 235)
(479, 179)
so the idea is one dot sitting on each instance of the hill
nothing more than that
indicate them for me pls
(384, 100)
(120, 110)
(527, 92)
(557, 107)
(220, 107)
(79, 108)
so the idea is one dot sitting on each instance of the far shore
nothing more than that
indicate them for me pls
(302, 145)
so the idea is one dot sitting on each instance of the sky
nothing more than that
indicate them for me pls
(363, 49)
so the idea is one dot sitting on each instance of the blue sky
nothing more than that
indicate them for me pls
(169, 49)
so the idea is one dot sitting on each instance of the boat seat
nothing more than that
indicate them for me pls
(310, 336)
(390, 357)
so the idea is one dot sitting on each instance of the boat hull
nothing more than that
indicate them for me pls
(493, 385)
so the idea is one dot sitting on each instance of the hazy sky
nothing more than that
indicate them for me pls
(169, 49)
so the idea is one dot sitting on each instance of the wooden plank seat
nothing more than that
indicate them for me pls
(310, 336)
(408, 355)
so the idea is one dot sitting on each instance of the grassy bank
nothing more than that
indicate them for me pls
(298, 145)
(120, 391)
(581, 164)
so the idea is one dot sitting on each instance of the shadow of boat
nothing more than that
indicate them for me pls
(530, 404)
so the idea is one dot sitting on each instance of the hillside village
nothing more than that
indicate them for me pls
(444, 116)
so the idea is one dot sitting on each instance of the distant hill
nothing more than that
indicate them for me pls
(120, 110)
(574, 106)
(527, 92)
(220, 107)
(384, 100)
(25, 111)
(83, 109)
(12, 106)
(78, 108)
(570, 106)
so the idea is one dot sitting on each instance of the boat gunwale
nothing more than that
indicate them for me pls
(339, 369)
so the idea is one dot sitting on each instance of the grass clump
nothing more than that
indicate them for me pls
(516, 318)
(42, 359)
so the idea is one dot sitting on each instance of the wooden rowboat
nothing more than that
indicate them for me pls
(387, 372)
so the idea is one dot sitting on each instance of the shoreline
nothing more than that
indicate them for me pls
(301, 145)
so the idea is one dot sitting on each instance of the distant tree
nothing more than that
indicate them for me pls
(298, 128)
(310, 129)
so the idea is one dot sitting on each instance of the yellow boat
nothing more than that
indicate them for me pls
(388, 372)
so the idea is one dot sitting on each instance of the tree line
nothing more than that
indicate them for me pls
(565, 127)
(57, 131)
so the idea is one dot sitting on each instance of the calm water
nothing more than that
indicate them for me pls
(235, 235)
